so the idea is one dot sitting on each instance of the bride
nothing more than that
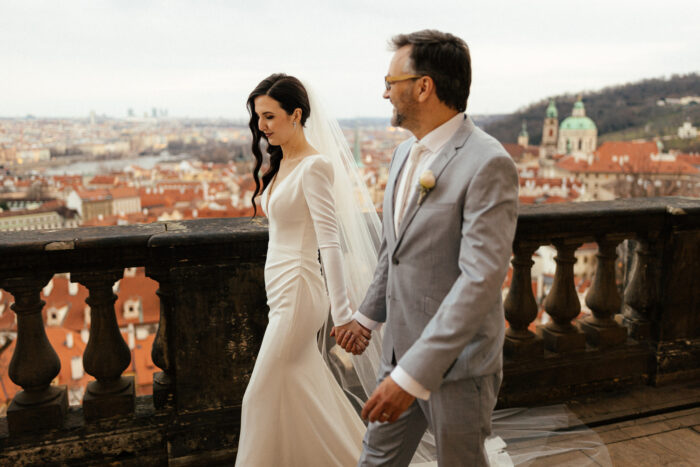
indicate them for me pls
(294, 412)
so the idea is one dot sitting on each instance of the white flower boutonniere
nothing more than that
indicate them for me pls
(426, 182)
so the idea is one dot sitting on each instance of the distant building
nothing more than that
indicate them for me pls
(524, 137)
(577, 133)
(105, 148)
(17, 201)
(125, 200)
(686, 100)
(521, 154)
(621, 168)
(687, 131)
(550, 131)
(90, 204)
(51, 215)
(32, 155)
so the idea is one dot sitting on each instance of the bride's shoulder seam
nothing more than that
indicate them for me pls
(318, 166)
(318, 157)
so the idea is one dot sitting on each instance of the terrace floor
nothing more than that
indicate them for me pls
(672, 438)
(645, 427)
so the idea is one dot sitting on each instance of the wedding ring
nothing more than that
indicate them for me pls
(385, 416)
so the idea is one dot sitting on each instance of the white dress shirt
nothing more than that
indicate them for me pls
(433, 142)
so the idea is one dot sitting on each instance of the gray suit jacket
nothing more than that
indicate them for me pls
(438, 282)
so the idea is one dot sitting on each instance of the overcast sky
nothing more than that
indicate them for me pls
(202, 58)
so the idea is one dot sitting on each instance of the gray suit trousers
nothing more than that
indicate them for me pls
(458, 414)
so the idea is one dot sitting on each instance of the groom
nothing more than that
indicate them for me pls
(450, 209)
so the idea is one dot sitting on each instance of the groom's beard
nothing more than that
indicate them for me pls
(397, 118)
(407, 105)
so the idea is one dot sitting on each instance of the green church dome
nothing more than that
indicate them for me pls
(577, 123)
(552, 110)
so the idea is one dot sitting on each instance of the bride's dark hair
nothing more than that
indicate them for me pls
(291, 95)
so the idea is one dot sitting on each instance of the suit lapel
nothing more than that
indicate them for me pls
(437, 167)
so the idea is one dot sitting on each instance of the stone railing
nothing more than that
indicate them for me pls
(213, 316)
(644, 329)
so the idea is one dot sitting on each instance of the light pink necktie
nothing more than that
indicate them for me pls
(417, 150)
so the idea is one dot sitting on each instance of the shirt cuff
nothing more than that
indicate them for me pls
(370, 324)
(409, 384)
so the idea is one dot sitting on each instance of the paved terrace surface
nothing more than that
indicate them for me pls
(644, 427)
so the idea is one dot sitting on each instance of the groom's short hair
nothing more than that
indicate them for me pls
(445, 58)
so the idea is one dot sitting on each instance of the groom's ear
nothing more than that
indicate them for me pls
(425, 87)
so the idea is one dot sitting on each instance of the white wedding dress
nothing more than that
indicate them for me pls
(294, 412)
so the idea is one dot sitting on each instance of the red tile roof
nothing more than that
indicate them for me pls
(98, 194)
(49, 206)
(109, 180)
(138, 288)
(123, 192)
(143, 365)
(627, 157)
(517, 151)
(692, 159)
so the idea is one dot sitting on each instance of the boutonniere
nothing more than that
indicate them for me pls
(426, 182)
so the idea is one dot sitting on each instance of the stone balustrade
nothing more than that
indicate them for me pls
(645, 329)
(213, 315)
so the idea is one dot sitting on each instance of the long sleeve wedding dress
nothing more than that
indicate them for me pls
(294, 412)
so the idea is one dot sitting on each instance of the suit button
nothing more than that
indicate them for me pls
(394, 260)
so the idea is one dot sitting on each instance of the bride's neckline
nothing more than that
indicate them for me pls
(274, 179)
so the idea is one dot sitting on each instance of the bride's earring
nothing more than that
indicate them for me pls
(294, 124)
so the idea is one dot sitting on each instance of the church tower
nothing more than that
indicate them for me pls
(550, 130)
(523, 137)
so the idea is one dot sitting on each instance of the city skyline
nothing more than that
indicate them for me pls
(201, 61)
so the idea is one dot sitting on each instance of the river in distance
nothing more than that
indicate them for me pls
(89, 167)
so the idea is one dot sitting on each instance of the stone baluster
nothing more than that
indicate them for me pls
(106, 354)
(640, 292)
(163, 381)
(603, 299)
(520, 306)
(34, 362)
(562, 304)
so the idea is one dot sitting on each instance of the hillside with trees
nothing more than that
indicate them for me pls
(625, 112)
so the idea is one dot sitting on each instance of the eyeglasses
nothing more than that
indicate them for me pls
(389, 80)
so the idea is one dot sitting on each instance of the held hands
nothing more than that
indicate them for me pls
(353, 337)
(387, 402)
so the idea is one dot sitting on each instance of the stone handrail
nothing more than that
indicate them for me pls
(213, 315)
(648, 333)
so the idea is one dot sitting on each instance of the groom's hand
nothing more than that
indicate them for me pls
(353, 337)
(387, 402)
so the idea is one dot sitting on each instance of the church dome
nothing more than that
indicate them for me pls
(552, 110)
(578, 119)
(577, 123)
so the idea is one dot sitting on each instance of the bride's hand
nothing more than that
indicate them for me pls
(352, 337)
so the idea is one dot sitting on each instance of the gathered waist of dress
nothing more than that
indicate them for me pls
(284, 251)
